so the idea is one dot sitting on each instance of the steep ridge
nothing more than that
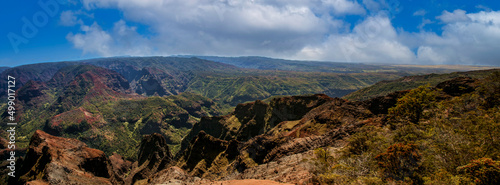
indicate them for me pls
(57, 160)
(251, 119)
(32, 93)
(205, 152)
(160, 75)
(302, 123)
(154, 156)
(36, 72)
(87, 84)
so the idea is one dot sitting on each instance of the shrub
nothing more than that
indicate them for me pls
(482, 171)
(368, 138)
(490, 90)
(411, 106)
(324, 160)
(400, 162)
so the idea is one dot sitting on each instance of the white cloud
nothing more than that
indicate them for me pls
(122, 40)
(485, 8)
(293, 29)
(428, 55)
(68, 18)
(93, 40)
(424, 22)
(372, 5)
(374, 40)
(420, 13)
(276, 28)
(342, 7)
(386, 6)
(455, 16)
(464, 42)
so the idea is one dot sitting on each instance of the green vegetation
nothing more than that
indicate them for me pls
(406, 83)
(401, 162)
(482, 171)
(234, 88)
(91, 104)
(429, 138)
(125, 121)
(412, 105)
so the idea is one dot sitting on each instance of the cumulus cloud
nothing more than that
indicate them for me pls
(274, 28)
(455, 16)
(122, 40)
(93, 40)
(294, 29)
(374, 40)
(464, 41)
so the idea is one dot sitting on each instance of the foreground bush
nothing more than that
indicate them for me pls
(482, 171)
(400, 162)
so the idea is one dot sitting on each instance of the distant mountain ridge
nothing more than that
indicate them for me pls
(266, 63)
(224, 83)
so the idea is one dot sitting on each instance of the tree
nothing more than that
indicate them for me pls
(411, 106)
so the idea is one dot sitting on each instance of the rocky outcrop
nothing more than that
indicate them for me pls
(56, 160)
(207, 154)
(293, 107)
(323, 126)
(148, 84)
(255, 118)
(326, 124)
(294, 169)
(246, 121)
(154, 156)
(458, 86)
(381, 104)
(120, 165)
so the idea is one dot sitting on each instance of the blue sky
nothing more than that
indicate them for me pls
(367, 31)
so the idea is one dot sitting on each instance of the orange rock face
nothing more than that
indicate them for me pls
(56, 160)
